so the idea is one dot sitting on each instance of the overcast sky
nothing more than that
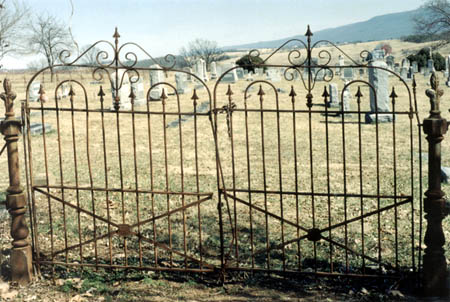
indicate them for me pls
(164, 26)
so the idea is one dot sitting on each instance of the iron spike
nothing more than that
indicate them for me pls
(71, 92)
(308, 32)
(292, 93)
(229, 91)
(359, 93)
(325, 93)
(261, 92)
(101, 93)
(393, 94)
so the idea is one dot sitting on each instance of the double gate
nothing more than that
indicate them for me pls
(232, 174)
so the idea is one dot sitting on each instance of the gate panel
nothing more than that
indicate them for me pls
(310, 188)
(123, 180)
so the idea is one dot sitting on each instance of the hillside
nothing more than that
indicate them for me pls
(384, 27)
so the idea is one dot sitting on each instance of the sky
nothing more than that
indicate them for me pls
(164, 26)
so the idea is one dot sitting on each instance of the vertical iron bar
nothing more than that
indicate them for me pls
(358, 101)
(327, 148)
(132, 97)
(61, 175)
(249, 183)
(101, 94)
(229, 93)
(197, 183)
(169, 226)
(152, 196)
(292, 94)
(261, 94)
(74, 147)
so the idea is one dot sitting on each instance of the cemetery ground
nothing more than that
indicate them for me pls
(120, 285)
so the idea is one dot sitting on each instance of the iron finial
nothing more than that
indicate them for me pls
(292, 92)
(434, 95)
(116, 34)
(101, 92)
(229, 91)
(308, 32)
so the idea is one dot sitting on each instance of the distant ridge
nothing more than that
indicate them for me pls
(384, 27)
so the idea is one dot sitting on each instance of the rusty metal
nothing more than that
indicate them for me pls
(16, 203)
(434, 261)
(82, 212)
(248, 192)
(298, 188)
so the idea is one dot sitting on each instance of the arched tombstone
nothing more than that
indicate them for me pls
(379, 79)
(33, 92)
(124, 89)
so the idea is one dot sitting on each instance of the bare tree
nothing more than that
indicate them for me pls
(90, 57)
(48, 36)
(201, 49)
(13, 16)
(434, 19)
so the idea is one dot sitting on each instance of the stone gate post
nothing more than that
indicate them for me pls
(21, 262)
(434, 262)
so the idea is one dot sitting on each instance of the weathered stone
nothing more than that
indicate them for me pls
(379, 101)
(334, 96)
(39, 128)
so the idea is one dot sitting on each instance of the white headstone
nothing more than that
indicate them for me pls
(213, 71)
(33, 93)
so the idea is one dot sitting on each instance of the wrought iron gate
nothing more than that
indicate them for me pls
(120, 183)
(309, 188)
(301, 187)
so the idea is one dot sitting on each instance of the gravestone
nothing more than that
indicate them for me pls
(272, 75)
(38, 128)
(379, 101)
(334, 96)
(430, 66)
(346, 100)
(415, 66)
(205, 71)
(181, 83)
(63, 91)
(410, 74)
(347, 75)
(404, 73)
(200, 70)
(188, 73)
(240, 73)
(137, 85)
(213, 71)
(33, 93)
(405, 63)
(123, 92)
(390, 61)
(156, 76)
(230, 76)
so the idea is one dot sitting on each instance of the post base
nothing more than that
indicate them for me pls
(21, 265)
